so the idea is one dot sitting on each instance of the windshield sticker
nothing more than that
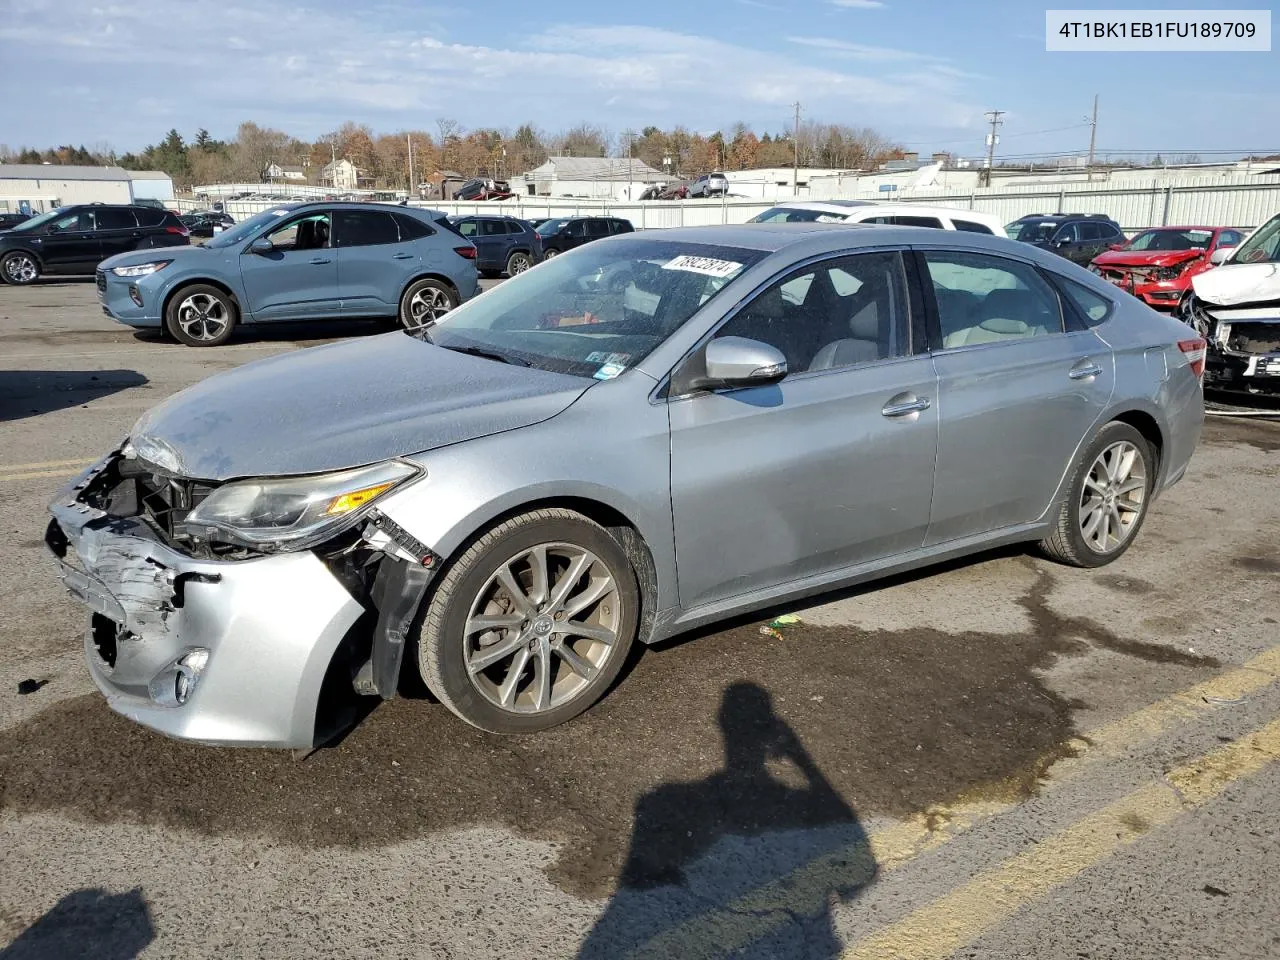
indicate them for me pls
(603, 356)
(553, 321)
(609, 371)
(708, 266)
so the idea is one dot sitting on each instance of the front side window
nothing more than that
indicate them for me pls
(985, 299)
(1068, 233)
(598, 312)
(308, 233)
(839, 313)
(73, 223)
(247, 228)
(794, 215)
(1031, 231)
(365, 228)
(1229, 238)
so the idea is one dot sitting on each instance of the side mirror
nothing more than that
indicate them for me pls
(1062, 242)
(740, 362)
(262, 245)
(1221, 254)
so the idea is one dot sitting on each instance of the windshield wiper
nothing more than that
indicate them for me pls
(487, 354)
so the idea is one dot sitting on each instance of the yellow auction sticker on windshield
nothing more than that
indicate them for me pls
(708, 266)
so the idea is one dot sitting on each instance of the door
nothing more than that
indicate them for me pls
(597, 227)
(298, 278)
(491, 245)
(831, 467)
(573, 234)
(118, 230)
(1016, 392)
(374, 264)
(70, 244)
(1066, 241)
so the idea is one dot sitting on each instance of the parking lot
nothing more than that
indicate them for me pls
(1000, 757)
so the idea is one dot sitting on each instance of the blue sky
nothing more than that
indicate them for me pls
(123, 72)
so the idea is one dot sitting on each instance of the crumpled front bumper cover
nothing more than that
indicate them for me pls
(271, 626)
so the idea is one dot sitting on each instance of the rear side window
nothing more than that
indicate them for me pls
(411, 228)
(972, 227)
(492, 228)
(513, 226)
(987, 300)
(1094, 307)
(622, 226)
(115, 218)
(905, 221)
(150, 217)
(597, 228)
(365, 228)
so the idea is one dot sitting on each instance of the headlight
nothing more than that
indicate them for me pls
(1170, 273)
(140, 269)
(295, 512)
(1094, 269)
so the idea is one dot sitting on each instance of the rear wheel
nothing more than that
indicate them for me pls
(548, 254)
(518, 262)
(20, 268)
(1107, 500)
(424, 302)
(201, 316)
(531, 624)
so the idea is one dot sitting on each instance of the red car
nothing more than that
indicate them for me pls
(1157, 265)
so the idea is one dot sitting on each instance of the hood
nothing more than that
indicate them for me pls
(155, 253)
(343, 405)
(1145, 258)
(1235, 283)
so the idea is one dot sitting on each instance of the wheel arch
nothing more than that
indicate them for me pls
(428, 275)
(34, 254)
(1151, 431)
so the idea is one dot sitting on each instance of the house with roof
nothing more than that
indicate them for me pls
(284, 172)
(616, 178)
(344, 176)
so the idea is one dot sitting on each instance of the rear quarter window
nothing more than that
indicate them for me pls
(970, 226)
(1093, 308)
(411, 228)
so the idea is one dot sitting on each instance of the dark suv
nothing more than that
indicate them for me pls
(564, 233)
(1077, 236)
(503, 244)
(76, 239)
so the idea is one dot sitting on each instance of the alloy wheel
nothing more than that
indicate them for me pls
(21, 268)
(1113, 497)
(202, 316)
(542, 627)
(428, 304)
(518, 263)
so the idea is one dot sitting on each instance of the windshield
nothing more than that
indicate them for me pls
(1170, 240)
(548, 227)
(797, 215)
(1263, 245)
(247, 228)
(596, 312)
(1030, 231)
(39, 221)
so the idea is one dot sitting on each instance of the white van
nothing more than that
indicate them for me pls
(899, 213)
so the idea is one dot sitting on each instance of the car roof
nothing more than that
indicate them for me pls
(771, 237)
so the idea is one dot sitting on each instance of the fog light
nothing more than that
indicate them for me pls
(174, 685)
(134, 295)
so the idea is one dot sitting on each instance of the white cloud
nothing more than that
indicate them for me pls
(306, 70)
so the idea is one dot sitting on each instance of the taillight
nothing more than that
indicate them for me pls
(1195, 352)
(180, 231)
(467, 252)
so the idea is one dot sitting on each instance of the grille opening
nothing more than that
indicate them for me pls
(1255, 337)
(104, 633)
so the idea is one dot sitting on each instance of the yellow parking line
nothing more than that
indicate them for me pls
(23, 467)
(960, 917)
(756, 913)
(36, 474)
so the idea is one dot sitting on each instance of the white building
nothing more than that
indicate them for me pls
(343, 175)
(37, 187)
(609, 178)
(284, 171)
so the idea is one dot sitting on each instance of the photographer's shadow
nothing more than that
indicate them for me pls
(749, 862)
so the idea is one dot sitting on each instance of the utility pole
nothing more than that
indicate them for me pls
(993, 118)
(795, 164)
(1093, 132)
(408, 139)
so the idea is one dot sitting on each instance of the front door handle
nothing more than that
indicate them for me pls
(402, 256)
(1085, 371)
(319, 260)
(904, 405)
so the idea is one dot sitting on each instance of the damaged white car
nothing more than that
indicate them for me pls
(1236, 308)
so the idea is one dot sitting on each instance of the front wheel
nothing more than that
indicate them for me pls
(20, 269)
(531, 624)
(1107, 501)
(200, 316)
(424, 302)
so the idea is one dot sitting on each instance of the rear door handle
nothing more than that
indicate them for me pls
(319, 260)
(1085, 371)
(904, 405)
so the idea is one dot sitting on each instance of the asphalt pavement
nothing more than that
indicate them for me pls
(999, 757)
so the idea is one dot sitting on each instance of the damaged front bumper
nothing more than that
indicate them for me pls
(244, 651)
(1243, 354)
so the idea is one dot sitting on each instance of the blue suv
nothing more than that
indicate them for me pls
(308, 261)
(503, 244)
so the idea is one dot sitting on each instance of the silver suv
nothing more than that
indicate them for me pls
(709, 185)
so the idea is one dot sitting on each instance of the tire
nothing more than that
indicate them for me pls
(549, 253)
(20, 268)
(201, 315)
(1120, 500)
(528, 636)
(424, 301)
(518, 263)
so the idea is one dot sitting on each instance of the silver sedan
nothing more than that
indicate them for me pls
(647, 434)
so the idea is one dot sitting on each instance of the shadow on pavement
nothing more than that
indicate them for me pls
(30, 393)
(723, 849)
(87, 923)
